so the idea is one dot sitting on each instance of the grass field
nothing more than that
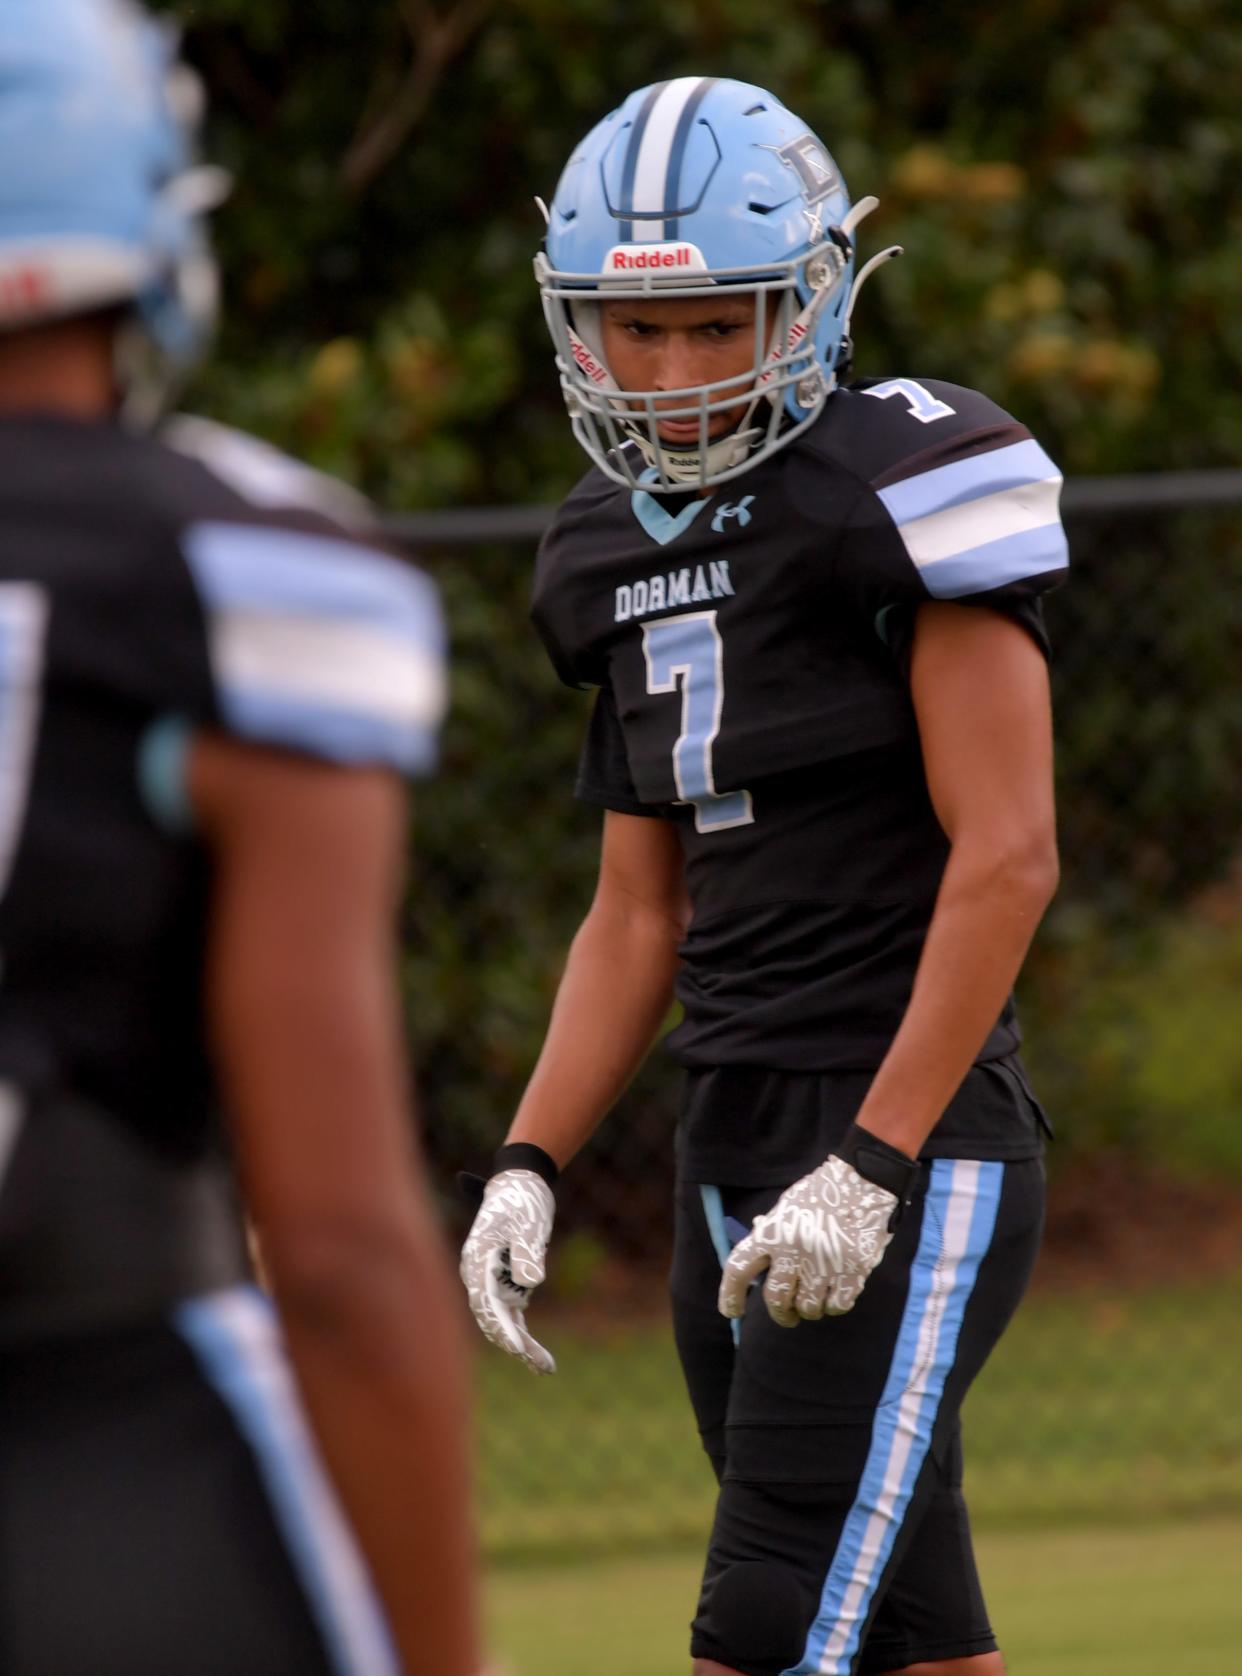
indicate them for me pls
(1161, 1600)
(1097, 1407)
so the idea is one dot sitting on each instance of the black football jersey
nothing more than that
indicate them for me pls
(149, 588)
(751, 654)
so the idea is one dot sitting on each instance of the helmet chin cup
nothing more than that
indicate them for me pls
(677, 471)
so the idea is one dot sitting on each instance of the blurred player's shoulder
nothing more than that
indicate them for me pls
(319, 636)
(208, 549)
(259, 478)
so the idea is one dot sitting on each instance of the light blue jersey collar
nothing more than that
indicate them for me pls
(659, 523)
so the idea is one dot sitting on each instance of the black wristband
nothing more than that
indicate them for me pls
(525, 1155)
(876, 1161)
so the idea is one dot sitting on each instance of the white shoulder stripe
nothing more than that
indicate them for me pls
(967, 479)
(329, 664)
(974, 523)
(321, 645)
(254, 567)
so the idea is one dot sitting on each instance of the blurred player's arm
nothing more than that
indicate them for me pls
(616, 989)
(304, 1014)
(980, 689)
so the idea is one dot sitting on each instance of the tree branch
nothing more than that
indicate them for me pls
(435, 40)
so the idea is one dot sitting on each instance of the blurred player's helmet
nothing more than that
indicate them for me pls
(100, 203)
(689, 185)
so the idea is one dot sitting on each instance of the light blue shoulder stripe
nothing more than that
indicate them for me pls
(967, 480)
(995, 564)
(946, 1268)
(351, 738)
(251, 567)
(321, 645)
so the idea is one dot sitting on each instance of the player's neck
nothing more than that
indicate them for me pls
(64, 368)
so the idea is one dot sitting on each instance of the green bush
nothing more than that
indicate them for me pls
(1066, 182)
(1134, 1043)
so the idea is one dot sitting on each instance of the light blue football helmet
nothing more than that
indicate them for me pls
(689, 185)
(100, 201)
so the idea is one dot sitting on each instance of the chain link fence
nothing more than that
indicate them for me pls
(1114, 1395)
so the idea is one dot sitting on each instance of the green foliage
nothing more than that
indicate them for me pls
(1149, 709)
(1135, 1040)
(1065, 181)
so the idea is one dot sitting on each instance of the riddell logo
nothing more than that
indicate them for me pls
(644, 258)
(587, 363)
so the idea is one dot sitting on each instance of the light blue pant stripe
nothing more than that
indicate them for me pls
(234, 1336)
(959, 1219)
(713, 1210)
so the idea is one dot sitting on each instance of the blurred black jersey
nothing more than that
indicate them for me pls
(148, 589)
(751, 651)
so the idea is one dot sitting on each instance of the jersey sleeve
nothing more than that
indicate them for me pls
(561, 602)
(318, 642)
(603, 769)
(974, 518)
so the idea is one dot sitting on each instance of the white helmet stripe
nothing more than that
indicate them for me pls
(651, 172)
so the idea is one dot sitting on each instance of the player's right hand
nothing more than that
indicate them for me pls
(502, 1261)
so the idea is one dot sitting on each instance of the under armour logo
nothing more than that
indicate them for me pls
(739, 510)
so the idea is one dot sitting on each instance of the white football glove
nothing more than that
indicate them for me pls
(502, 1261)
(824, 1236)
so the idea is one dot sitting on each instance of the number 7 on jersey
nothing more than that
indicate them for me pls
(688, 650)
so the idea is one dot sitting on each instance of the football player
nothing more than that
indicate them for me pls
(212, 682)
(809, 604)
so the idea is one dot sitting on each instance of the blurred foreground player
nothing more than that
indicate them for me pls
(209, 691)
(822, 740)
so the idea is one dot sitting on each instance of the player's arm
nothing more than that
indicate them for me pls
(304, 1019)
(616, 988)
(612, 999)
(980, 689)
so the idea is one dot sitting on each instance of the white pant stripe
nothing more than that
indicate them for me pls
(958, 1221)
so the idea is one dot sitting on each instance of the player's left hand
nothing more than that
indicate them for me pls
(825, 1235)
(502, 1262)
